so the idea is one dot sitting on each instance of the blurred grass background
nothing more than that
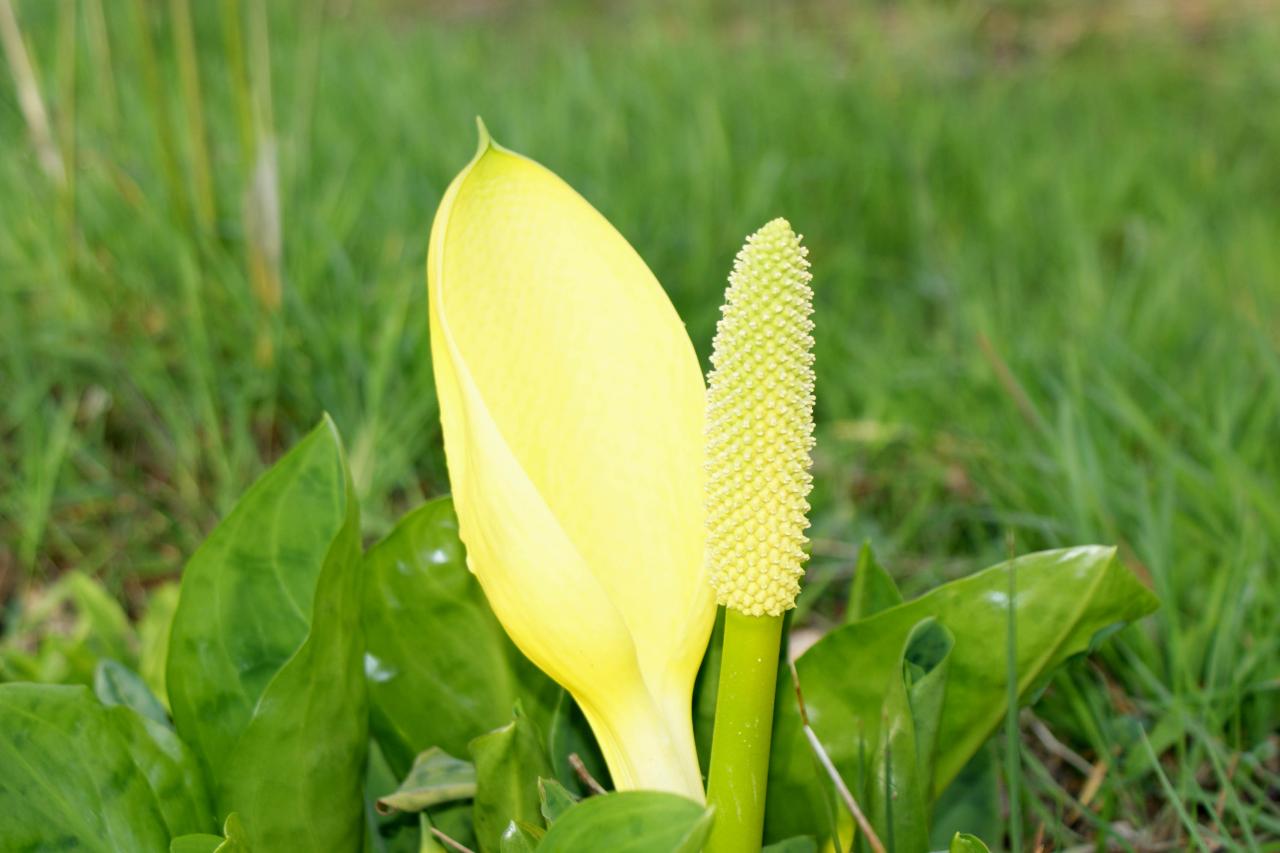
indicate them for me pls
(1046, 245)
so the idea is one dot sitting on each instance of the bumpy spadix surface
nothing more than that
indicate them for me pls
(760, 426)
(572, 406)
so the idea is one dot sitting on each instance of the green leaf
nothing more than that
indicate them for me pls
(237, 839)
(432, 642)
(233, 842)
(971, 803)
(509, 762)
(265, 669)
(437, 777)
(629, 822)
(153, 638)
(925, 672)
(873, 588)
(72, 780)
(896, 791)
(964, 843)
(520, 837)
(116, 684)
(1065, 599)
(170, 767)
(197, 843)
(554, 799)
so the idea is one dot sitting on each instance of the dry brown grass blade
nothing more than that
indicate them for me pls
(842, 789)
(29, 101)
(450, 843)
(585, 775)
(1011, 385)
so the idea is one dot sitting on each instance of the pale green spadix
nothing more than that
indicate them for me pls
(760, 426)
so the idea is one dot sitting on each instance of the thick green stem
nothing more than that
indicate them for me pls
(744, 725)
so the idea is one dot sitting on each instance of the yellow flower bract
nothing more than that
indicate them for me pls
(572, 406)
(760, 426)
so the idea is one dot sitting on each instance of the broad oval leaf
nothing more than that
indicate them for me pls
(265, 670)
(81, 776)
(630, 822)
(896, 789)
(432, 642)
(171, 769)
(1064, 599)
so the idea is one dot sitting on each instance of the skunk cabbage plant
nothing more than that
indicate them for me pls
(528, 665)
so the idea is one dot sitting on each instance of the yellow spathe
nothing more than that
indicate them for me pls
(760, 426)
(572, 406)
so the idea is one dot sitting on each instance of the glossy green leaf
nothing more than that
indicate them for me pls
(116, 684)
(629, 822)
(509, 761)
(436, 777)
(554, 799)
(73, 778)
(520, 837)
(170, 767)
(265, 669)
(925, 670)
(896, 789)
(1065, 599)
(432, 642)
(873, 588)
(964, 843)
